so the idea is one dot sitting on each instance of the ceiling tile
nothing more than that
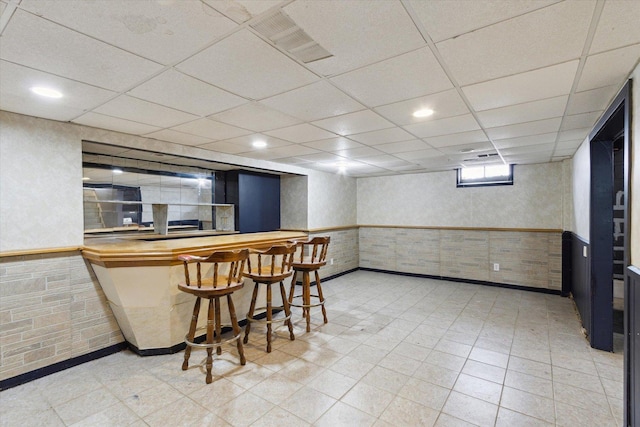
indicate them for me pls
(457, 139)
(545, 149)
(176, 90)
(16, 95)
(247, 66)
(382, 136)
(445, 19)
(578, 121)
(384, 29)
(443, 126)
(524, 129)
(444, 104)
(385, 160)
(43, 45)
(357, 153)
(322, 157)
(113, 123)
(246, 142)
(242, 10)
(405, 76)
(301, 133)
(544, 138)
(313, 102)
(211, 129)
(527, 112)
(473, 148)
(347, 124)
(224, 147)
(565, 152)
(528, 158)
(618, 26)
(531, 86)
(256, 117)
(504, 49)
(400, 147)
(573, 134)
(178, 137)
(419, 155)
(164, 32)
(572, 144)
(128, 108)
(608, 68)
(591, 100)
(293, 161)
(280, 152)
(333, 144)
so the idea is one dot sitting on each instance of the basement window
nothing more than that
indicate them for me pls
(479, 176)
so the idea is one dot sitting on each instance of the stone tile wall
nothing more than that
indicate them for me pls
(343, 249)
(52, 309)
(526, 258)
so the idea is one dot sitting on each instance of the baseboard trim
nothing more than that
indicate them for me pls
(60, 366)
(469, 281)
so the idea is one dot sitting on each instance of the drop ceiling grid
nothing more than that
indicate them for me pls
(354, 106)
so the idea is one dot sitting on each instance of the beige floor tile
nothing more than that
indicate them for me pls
(529, 383)
(424, 393)
(446, 360)
(446, 420)
(308, 404)
(528, 404)
(577, 379)
(436, 375)
(367, 398)
(276, 388)
(422, 340)
(153, 399)
(478, 388)
(352, 367)
(332, 383)
(411, 351)
(612, 388)
(250, 375)
(571, 416)
(452, 347)
(118, 414)
(278, 417)
(84, 406)
(470, 409)
(276, 360)
(399, 363)
(484, 371)
(181, 412)
(405, 412)
(595, 403)
(385, 379)
(489, 357)
(509, 418)
(368, 354)
(530, 367)
(243, 410)
(342, 414)
(216, 394)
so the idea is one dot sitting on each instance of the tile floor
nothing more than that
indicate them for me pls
(397, 351)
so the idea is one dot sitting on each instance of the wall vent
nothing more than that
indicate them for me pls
(284, 33)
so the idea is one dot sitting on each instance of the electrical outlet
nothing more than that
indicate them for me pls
(584, 251)
(496, 267)
(331, 261)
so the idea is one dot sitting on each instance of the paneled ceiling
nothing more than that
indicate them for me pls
(329, 85)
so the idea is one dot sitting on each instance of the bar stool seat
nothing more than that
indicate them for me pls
(312, 256)
(272, 266)
(226, 278)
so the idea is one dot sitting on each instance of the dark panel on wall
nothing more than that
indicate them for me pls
(581, 280)
(567, 261)
(632, 347)
(257, 200)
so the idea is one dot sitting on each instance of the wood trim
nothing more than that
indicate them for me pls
(40, 251)
(322, 229)
(521, 230)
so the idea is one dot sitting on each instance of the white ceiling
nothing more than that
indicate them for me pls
(527, 79)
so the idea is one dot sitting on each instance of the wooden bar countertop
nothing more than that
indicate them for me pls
(124, 252)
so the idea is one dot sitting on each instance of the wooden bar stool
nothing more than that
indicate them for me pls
(313, 254)
(273, 265)
(225, 278)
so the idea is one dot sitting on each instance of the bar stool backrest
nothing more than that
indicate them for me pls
(313, 251)
(275, 261)
(235, 261)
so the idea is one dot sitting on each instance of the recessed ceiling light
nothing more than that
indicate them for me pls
(116, 171)
(259, 144)
(467, 150)
(45, 91)
(86, 178)
(425, 112)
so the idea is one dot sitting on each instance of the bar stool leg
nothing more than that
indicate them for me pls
(293, 286)
(287, 311)
(191, 334)
(321, 297)
(210, 322)
(269, 317)
(252, 307)
(236, 329)
(218, 327)
(306, 298)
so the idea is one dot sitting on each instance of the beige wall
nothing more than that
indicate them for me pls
(332, 200)
(581, 190)
(535, 200)
(294, 202)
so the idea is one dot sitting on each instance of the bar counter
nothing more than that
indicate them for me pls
(139, 277)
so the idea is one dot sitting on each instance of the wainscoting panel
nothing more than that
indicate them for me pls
(581, 279)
